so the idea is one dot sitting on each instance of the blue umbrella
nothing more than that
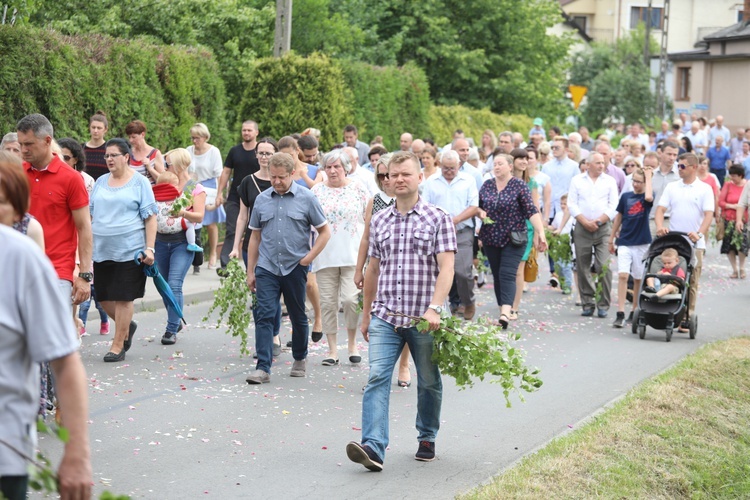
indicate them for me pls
(161, 284)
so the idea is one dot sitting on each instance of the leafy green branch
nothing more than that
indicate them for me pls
(559, 249)
(469, 350)
(482, 263)
(232, 301)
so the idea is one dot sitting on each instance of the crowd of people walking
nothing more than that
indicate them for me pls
(407, 231)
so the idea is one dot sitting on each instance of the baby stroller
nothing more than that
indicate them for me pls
(669, 311)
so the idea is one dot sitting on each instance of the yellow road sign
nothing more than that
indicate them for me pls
(576, 94)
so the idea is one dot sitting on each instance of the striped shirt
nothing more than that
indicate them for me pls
(406, 246)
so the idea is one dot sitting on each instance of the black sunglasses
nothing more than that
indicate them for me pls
(682, 166)
(382, 176)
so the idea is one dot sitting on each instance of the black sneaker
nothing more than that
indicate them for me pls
(588, 311)
(362, 454)
(630, 317)
(620, 320)
(169, 338)
(196, 269)
(426, 451)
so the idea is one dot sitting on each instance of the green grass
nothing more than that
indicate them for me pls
(682, 434)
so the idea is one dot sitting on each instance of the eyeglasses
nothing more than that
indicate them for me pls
(638, 182)
(265, 154)
(115, 155)
(682, 166)
(167, 164)
(382, 176)
(555, 148)
(631, 165)
(67, 157)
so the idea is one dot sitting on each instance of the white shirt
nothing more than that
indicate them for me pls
(205, 166)
(688, 204)
(658, 183)
(698, 140)
(367, 179)
(561, 173)
(35, 326)
(593, 198)
(455, 197)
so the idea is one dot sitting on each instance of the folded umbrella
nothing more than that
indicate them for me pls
(161, 285)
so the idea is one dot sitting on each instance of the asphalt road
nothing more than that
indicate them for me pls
(180, 421)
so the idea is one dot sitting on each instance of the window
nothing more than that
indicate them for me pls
(683, 84)
(740, 15)
(581, 22)
(639, 14)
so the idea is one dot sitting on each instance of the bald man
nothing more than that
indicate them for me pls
(406, 141)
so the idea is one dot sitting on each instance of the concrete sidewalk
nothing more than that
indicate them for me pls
(196, 288)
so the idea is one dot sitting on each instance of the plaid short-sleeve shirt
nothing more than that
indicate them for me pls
(407, 246)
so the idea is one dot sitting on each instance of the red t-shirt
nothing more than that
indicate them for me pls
(55, 193)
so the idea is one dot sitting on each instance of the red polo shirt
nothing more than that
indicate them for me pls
(55, 193)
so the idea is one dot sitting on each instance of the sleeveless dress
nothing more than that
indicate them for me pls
(140, 165)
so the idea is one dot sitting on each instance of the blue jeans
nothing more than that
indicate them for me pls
(277, 323)
(174, 261)
(566, 269)
(267, 312)
(386, 344)
(83, 309)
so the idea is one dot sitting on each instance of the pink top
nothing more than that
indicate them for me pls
(730, 193)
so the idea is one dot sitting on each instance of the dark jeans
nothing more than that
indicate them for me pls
(504, 263)
(269, 288)
(721, 174)
(232, 209)
(14, 487)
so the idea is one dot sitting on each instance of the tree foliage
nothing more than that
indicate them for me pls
(445, 119)
(492, 54)
(618, 80)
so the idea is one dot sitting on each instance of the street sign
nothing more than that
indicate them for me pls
(703, 107)
(576, 94)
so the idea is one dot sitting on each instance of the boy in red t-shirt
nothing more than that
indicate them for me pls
(669, 258)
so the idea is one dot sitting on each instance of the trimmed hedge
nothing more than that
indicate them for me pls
(68, 78)
(445, 119)
(291, 93)
(388, 101)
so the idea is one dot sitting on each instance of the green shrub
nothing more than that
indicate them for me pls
(289, 94)
(388, 101)
(68, 78)
(445, 119)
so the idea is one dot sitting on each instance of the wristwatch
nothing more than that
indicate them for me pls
(437, 309)
(700, 235)
(87, 277)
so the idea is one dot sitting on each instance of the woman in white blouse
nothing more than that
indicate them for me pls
(206, 169)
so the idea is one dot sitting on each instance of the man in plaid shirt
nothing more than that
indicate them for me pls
(412, 250)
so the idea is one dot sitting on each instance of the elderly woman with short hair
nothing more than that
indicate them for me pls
(344, 203)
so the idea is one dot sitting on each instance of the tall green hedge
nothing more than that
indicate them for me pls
(289, 94)
(444, 120)
(388, 101)
(69, 78)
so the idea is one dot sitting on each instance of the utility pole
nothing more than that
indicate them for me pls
(661, 91)
(646, 46)
(283, 36)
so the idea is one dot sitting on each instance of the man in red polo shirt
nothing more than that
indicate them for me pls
(60, 203)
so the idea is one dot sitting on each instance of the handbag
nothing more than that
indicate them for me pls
(519, 238)
(720, 229)
(531, 269)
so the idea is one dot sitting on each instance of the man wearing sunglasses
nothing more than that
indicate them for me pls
(691, 203)
(664, 175)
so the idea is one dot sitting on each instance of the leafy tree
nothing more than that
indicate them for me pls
(481, 53)
(618, 80)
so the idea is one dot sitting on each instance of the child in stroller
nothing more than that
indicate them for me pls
(660, 285)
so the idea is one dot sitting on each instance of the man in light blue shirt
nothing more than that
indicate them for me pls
(461, 146)
(719, 130)
(561, 171)
(456, 193)
(278, 257)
